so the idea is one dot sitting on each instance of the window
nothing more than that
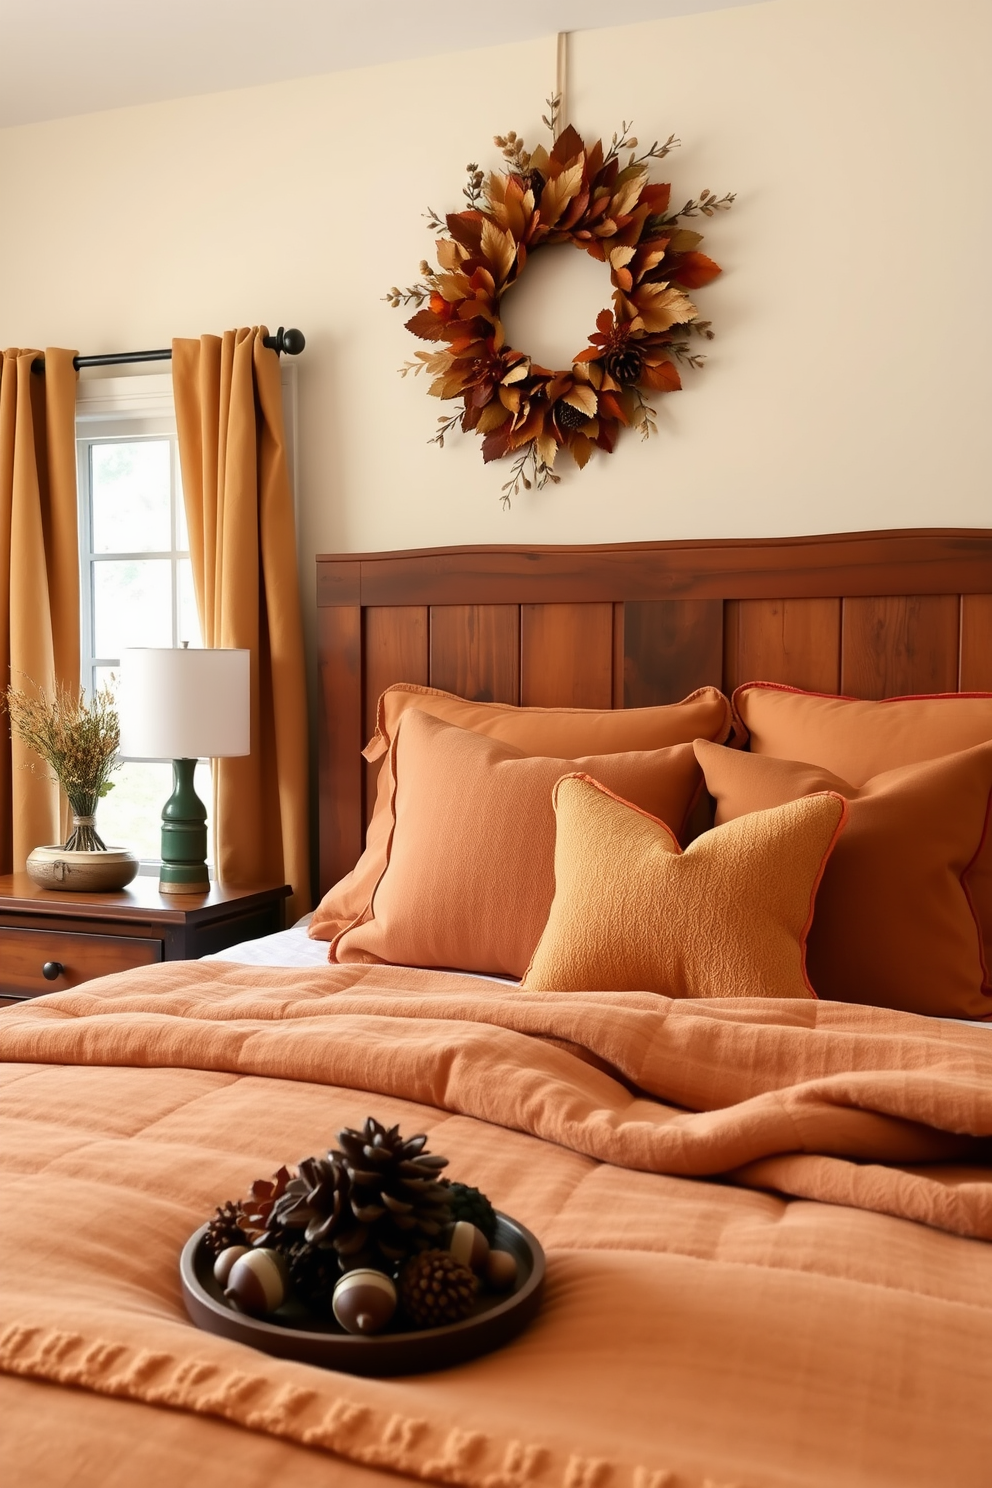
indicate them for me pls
(136, 584)
(136, 580)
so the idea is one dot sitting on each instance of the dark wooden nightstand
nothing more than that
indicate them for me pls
(50, 941)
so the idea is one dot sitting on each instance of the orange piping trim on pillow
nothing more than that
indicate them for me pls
(366, 914)
(845, 697)
(986, 988)
(841, 824)
(839, 697)
(379, 742)
(590, 780)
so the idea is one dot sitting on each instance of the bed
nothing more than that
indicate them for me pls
(767, 1219)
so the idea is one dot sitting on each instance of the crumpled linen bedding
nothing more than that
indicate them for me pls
(766, 1226)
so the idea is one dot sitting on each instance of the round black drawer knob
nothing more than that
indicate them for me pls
(52, 970)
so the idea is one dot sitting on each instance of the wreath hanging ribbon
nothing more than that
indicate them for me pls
(582, 195)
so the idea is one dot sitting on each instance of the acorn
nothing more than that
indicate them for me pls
(258, 1281)
(226, 1259)
(467, 1244)
(364, 1301)
(500, 1270)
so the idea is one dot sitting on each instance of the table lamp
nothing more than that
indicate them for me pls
(183, 705)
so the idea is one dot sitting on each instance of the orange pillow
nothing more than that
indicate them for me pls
(894, 920)
(469, 876)
(557, 732)
(858, 739)
(726, 918)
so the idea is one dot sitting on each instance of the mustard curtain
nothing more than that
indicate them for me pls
(239, 508)
(39, 577)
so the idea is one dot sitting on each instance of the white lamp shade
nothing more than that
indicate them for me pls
(184, 704)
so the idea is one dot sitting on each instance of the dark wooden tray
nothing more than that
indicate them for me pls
(295, 1333)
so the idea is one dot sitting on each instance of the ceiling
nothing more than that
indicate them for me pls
(64, 57)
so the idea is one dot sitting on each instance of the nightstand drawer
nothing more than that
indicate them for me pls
(24, 954)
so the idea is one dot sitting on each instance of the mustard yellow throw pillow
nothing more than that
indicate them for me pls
(726, 918)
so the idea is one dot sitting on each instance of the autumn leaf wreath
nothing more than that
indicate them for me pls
(577, 194)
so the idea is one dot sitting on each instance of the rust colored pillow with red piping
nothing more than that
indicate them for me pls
(556, 732)
(469, 873)
(896, 922)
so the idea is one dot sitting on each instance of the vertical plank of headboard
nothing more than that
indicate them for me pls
(893, 645)
(566, 655)
(475, 651)
(394, 649)
(975, 672)
(795, 641)
(670, 647)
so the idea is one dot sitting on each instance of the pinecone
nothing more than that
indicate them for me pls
(313, 1272)
(568, 416)
(316, 1201)
(258, 1207)
(396, 1197)
(434, 1289)
(225, 1229)
(468, 1203)
(624, 365)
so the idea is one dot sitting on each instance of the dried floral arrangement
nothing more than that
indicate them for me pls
(583, 195)
(80, 741)
(366, 1231)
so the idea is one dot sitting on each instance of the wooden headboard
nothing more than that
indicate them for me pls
(873, 615)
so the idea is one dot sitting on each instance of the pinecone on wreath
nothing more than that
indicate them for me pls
(436, 1289)
(396, 1197)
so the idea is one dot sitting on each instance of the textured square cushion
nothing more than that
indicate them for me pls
(857, 739)
(726, 918)
(469, 872)
(563, 733)
(895, 924)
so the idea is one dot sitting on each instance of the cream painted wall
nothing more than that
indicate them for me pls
(849, 386)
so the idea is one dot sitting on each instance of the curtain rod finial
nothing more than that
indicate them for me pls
(290, 341)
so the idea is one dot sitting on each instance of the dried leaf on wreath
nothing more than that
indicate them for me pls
(547, 449)
(568, 144)
(584, 399)
(580, 449)
(620, 256)
(626, 199)
(694, 270)
(661, 306)
(664, 378)
(559, 191)
(683, 240)
(492, 417)
(453, 287)
(499, 249)
(450, 254)
(427, 325)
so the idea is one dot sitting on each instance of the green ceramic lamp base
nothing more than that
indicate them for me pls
(184, 836)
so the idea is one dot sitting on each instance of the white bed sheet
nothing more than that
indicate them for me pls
(292, 947)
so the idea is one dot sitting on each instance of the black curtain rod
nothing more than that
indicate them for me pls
(290, 341)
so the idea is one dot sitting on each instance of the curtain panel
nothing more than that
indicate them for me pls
(39, 577)
(239, 508)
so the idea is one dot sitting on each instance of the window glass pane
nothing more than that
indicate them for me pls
(187, 620)
(131, 495)
(182, 530)
(130, 815)
(132, 604)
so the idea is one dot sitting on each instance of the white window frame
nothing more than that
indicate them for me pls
(141, 406)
